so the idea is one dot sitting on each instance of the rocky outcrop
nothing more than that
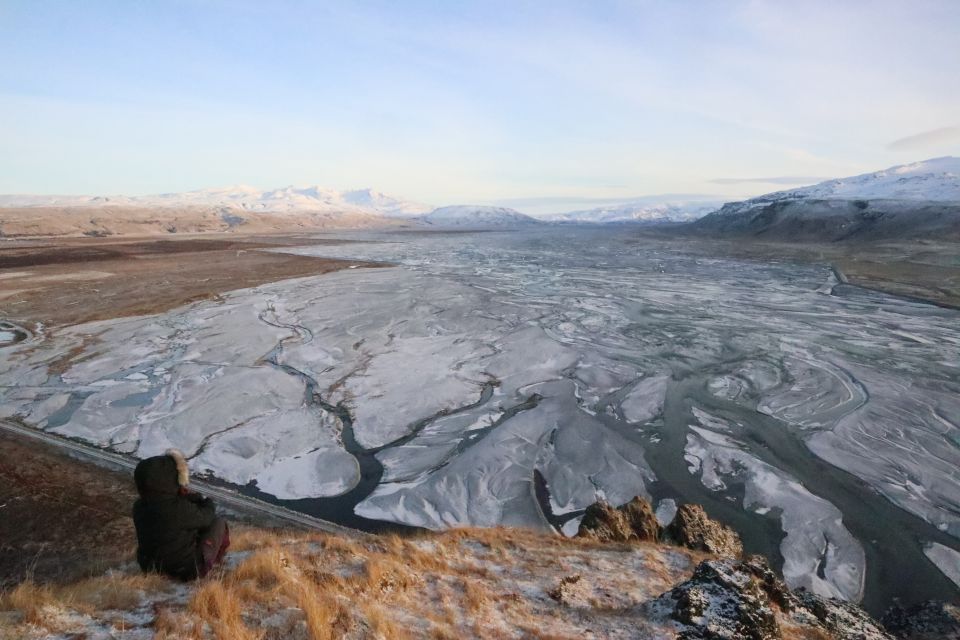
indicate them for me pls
(727, 599)
(723, 600)
(692, 528)
(634, 521)
(842, 620)
(642, 519)
(604, 522)
(931, 620)
(744, 599)
(730, 599)
(566, 591)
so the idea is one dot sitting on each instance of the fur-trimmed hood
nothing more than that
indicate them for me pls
(162, 476)
(183, 472)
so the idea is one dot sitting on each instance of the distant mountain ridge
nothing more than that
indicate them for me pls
(920, 199)
(915, 200)
(937, 179)
(312, 199)
(642, 211)
(478, 217)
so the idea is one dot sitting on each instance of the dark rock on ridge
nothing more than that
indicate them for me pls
(636, 521)
(730, 599)
(642, 519)
(692, 528)
(723, 600)
(842, 620)
(633, 521)
(931, 620)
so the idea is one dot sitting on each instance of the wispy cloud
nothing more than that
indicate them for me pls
(771, 180)
(926, 139)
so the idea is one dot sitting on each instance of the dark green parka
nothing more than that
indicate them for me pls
(168, 520)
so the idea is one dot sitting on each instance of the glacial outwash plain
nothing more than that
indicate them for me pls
(477, 368)
(512, 378)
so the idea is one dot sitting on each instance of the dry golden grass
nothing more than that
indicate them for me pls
(112, 591)
(792, 631)
(476, 597)
(174, 625)
(29, 599)
(217, 604)
(322, 614)
(467, 583)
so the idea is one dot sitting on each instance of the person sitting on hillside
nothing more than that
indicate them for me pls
(178, 531)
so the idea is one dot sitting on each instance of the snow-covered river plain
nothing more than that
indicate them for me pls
(514, 378)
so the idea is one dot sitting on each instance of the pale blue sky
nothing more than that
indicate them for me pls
(471, 102)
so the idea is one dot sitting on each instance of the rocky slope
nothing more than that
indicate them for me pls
(626, 575)
(920, 200)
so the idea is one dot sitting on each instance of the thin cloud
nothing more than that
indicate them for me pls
(773, 180)
(926, 139)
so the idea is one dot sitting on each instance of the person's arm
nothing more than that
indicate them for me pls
(196, 511)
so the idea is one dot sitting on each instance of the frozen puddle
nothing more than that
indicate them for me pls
(499, 378)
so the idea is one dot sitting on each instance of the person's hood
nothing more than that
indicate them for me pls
(162, 476)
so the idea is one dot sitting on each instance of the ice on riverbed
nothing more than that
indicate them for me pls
(489, 483)
(438, 373)
(435, 444)
(916, 435)
(201, 401)
(946, 559)
(482, 359)
(666, 511)
(289, 454)
(584, 457)
(104, 419)
(645, 400)
(816, 542)
(817, 395)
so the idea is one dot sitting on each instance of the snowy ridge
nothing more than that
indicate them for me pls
(936, 180)
(918, 200)
(241, 198)
(639, 211)
(478, 217)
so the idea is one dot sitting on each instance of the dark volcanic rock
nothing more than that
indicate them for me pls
(775, 588)
(633, 521)
(843, 620)
(723, 600)
(730, 599)
(692, 528)
(931, 620)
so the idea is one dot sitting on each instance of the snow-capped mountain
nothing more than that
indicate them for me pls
(639, 211)
(477, 217)
(286, 200)
(915, 200)
(381, 203)
(937, 179)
